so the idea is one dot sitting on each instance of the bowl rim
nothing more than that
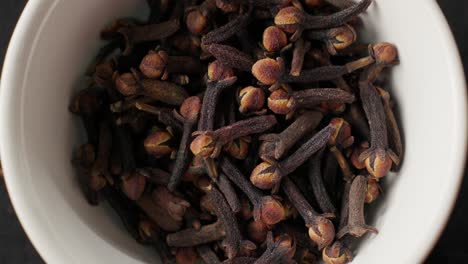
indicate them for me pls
(18, 58)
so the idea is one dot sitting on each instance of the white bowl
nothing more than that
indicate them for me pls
(51, 47)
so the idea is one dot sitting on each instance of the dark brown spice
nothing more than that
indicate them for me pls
(233, 240)
(266, 208)
(285, 102)
(280, 250)
(321, 230)
(189, 112)
(229, 193)
(392, 124)
(318, 186)
(198, 17)
(165, 92)
(294, 20)
(301, 47)
(356, 224)
(337, 253)
(139, 34)
(209, 144)
(191, 237)
(275, 146)
(335, 38)
(207, 255)
(378, 157)
(228, 30)
(160, 65)
(164, 115)
(268, 176)
(230, 56)
(274, 39)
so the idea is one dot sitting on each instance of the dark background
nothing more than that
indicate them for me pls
(451, 248)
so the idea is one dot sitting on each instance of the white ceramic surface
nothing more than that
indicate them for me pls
(54, 41)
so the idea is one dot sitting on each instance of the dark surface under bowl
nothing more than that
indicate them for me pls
(451, 247)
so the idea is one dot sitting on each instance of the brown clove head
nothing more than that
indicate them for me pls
(342, 136)
(373, 191)
(288, 19)
(154, 64)
(257, 231)
(378, 162)
(337, 254)
(272, 211)
(342, 37)
(251, 99)
(385, 53)
(190, 108)
(174, 205)
(239, 148)
(85, 156)
(196, 21)
(186, 255)
(203, 145)
(158, 143)
(104, 72)
(357, 151)
(268, 71)
(279, 102)
(322, 232)
(217, 71)
(228, 6)
(126, 84)
(133, 185)
(274, 39)
(264, 176)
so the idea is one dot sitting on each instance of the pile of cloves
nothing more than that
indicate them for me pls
(240, 131)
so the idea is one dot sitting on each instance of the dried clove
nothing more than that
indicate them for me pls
(158, 143)
(251, 100)
(198, 17)
(139, 34)
(335, 39)
(191, 237)
(207, 255)
(301, 47)
(189, 112)
(279, 250)
(321, 230)
(294, 20)
(272, 72)
(228, 30)
(209, 144)
(231, 57)
(266, 208)
(268, 176)
(233, 240)
(378, 157)
(159, 65)
(318, 186)
(285, 103)
(392, 124)
(356, 223)
(165, 92)
(274, 39)
(337, 253)
(275, 146)
(229, 193)
(164, 115)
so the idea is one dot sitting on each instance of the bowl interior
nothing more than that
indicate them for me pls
(55, 41)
